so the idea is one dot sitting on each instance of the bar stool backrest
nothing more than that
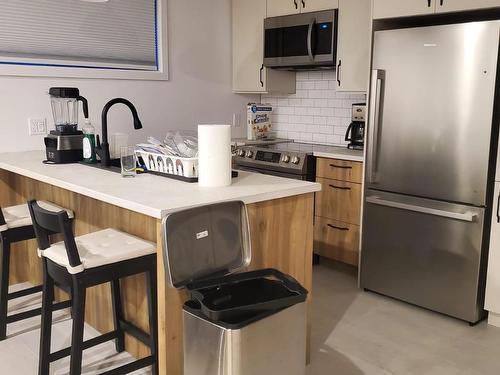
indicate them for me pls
(47, 222)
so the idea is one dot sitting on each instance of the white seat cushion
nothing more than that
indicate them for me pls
(19, 216)
(100, 248)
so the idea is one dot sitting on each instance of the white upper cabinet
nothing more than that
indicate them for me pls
(284, 7)
(353, 45)
(317, 5)
(249, 73)
(459, 5)
(281, 7)
(402, 8)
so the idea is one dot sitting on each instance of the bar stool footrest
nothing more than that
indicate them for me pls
(131, 367)
(36, 312)
(135, 332)
(25, 292)
(86, 345)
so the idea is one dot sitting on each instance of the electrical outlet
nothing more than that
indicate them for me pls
(37, 126)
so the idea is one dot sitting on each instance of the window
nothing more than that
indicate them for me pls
(81, 37)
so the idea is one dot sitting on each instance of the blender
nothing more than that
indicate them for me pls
(65, 143)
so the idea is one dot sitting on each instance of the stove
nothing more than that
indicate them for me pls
(290, 160)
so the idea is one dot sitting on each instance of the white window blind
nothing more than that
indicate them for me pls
(115, 34)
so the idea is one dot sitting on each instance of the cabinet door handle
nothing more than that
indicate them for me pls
(441, 2)
(341, 166)
(498, 209)
(428, 3)
(338, 71)
(340, 187)
(303, 3)
(296, 4)
(338, 228)
(260, 75)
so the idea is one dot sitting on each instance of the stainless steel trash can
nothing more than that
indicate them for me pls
(251, 323)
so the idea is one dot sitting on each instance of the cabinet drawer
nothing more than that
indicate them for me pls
(339, 200)
(336, 169)
(336, 240)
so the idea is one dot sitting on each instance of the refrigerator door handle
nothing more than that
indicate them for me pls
(376, 86)
(465, 216)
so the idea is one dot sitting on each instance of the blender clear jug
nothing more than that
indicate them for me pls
(64, 102)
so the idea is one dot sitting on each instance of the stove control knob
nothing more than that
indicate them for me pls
(295, 160)
(249, 154)
(241, 153)
(285, 158)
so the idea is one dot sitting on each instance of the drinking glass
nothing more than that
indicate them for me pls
(127, 159)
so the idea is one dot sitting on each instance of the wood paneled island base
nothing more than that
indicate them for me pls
(281, 234)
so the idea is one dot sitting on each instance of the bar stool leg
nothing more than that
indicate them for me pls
(4, 285)
(78, 326)
(118, 315)
(153, 313)
(46, 327)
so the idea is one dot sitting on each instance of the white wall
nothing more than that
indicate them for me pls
(199, 89)
(316, 113)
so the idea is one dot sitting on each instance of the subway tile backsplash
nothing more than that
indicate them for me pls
(316, 113)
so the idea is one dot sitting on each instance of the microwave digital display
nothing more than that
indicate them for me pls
(271, 157)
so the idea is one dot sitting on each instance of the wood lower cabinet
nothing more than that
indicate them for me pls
(336, 240)
(338, 210)
(339, 200)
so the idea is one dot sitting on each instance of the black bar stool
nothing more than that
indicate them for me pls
(16, 226)
(85, 261)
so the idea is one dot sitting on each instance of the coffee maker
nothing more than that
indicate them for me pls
(355, 134)
(65, 143)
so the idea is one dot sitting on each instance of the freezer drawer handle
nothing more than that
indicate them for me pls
(338, 228)
(340, 187)
(341, 166)
(466, 216)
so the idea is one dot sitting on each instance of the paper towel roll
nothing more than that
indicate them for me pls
(214, 155)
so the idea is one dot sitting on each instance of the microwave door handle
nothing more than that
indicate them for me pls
(376, 92)
(309, 39)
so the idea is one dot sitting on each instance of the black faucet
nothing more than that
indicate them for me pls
(102, 149)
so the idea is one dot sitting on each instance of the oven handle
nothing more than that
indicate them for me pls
(309, 39)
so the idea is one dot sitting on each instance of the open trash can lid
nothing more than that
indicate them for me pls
(205, 242)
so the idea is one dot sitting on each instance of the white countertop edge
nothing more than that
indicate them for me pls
(313, 187)
(127, 204)
(146, 210)
(332, 155)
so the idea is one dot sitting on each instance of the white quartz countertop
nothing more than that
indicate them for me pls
(342, 153)
(149, 194)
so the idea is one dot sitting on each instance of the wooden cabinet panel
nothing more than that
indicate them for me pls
(339, 200)
(317, 5)
(402, 8)
(459, 5)
(249, 73)
(344, 170)
(336, 240)
(353, 45)
(282, 7)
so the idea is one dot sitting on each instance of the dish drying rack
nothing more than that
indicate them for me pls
(179, 168)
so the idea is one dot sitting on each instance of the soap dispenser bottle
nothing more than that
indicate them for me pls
(89, 155)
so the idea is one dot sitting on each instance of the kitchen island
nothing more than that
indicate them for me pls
(281, 223)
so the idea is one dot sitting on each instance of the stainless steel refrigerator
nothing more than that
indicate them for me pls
(428, 161)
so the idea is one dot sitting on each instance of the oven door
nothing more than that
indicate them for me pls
(271, 172)
(301, 40)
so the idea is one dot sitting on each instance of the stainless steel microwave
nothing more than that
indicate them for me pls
(301, 41)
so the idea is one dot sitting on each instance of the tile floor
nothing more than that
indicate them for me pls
(353, 333)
